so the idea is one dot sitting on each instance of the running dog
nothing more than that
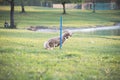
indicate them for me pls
(55, 42)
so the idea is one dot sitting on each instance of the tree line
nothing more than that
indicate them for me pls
(12, 3)
(23, 3)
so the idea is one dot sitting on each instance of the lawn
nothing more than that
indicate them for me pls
(39, 16)
(82, 57)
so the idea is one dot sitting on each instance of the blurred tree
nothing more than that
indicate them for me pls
(94, 1)
(22, 6)
(12, 25)
(63, 2)
(118, 4)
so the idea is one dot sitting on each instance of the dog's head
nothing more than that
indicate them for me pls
(67, 34)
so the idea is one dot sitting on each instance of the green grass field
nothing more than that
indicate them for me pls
(83, 57)
(38, 16)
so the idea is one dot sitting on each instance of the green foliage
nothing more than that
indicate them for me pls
(83, 57)
(67, 1)
(62, 1)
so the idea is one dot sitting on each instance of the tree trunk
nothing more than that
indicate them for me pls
(64, 10)
(22, 7)
(93, 6)
(12, 14)
(118, 4)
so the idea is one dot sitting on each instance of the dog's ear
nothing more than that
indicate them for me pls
(70, 34)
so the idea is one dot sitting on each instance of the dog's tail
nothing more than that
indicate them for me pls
(46, 45)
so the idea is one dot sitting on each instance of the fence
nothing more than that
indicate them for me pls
(67, 6)
(98, 6)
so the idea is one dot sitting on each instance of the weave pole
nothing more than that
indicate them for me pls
(61, 32)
